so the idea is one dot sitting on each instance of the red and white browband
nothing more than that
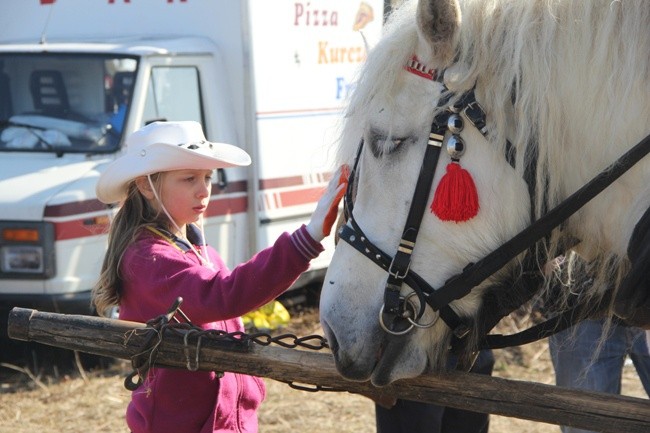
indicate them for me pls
(415, 67)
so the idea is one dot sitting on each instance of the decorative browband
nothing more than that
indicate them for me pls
(415, 67)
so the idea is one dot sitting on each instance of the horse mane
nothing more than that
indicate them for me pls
(563, 67)
(513, 50)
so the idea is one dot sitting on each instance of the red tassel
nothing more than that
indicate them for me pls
(455, 198)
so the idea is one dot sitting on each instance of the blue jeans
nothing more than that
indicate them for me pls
(418, 417)
(572, 352)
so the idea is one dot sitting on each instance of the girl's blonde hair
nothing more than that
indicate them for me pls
(135, 214)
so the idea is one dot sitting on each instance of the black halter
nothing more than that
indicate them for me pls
(398, 308)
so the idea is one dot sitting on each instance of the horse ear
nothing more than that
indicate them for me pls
(439, 23)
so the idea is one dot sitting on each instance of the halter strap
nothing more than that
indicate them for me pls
(401, 262)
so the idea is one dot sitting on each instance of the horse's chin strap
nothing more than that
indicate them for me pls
(398, 304)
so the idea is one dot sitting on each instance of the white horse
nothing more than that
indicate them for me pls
(567, 83)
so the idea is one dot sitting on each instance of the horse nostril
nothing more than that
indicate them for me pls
(332, 342)
(331, 283)
(334, 346)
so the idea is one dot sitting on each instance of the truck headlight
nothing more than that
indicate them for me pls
(26, 250)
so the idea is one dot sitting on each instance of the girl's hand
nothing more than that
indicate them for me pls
(324, 216)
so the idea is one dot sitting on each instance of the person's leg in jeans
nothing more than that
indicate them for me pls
(417, 417)
(572, 353)
(640, 355)
(409, 417)
(463, 421)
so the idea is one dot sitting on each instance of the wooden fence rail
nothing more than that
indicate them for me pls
(526, 400)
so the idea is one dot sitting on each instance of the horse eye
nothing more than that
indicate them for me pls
(381, 145)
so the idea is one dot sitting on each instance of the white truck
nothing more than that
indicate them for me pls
(76, 76)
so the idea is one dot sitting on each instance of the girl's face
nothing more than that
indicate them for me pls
(185, 194)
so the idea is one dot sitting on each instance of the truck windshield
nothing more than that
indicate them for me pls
(54, 102)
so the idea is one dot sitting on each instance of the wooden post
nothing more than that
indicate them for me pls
(480, 393)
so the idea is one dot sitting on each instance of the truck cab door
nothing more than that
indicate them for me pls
(176, 89)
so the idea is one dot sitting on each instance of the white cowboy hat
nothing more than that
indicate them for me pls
(165, 146)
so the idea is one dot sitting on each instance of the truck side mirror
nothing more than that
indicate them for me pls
(222, 180)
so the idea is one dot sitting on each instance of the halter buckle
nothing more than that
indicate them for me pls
(476, 116)
(396, 273)
(461, 331)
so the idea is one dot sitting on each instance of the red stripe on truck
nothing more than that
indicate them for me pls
(299, 197)
(84, 227)
(220, 205)
(227, 206)
(75, 208)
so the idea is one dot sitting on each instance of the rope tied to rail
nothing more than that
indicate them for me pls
(195, 336)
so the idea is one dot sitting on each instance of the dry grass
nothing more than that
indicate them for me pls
(53, 401)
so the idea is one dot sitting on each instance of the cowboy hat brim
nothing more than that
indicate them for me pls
(158, 157)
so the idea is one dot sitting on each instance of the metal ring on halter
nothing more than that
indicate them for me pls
(413, 322)
(385, 328)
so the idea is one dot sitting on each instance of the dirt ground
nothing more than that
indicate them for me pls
(37, 395)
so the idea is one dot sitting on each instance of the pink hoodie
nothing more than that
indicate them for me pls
(155, 272)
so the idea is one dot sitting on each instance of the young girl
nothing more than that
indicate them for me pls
(156, 253)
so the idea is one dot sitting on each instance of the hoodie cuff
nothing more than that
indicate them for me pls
(305, 244)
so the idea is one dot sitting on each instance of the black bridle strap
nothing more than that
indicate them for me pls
(476, 116)
(556, 324)
(401, 262)
(473, 275)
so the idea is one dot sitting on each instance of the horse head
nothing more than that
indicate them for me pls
(382, 326)
(392, 111)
